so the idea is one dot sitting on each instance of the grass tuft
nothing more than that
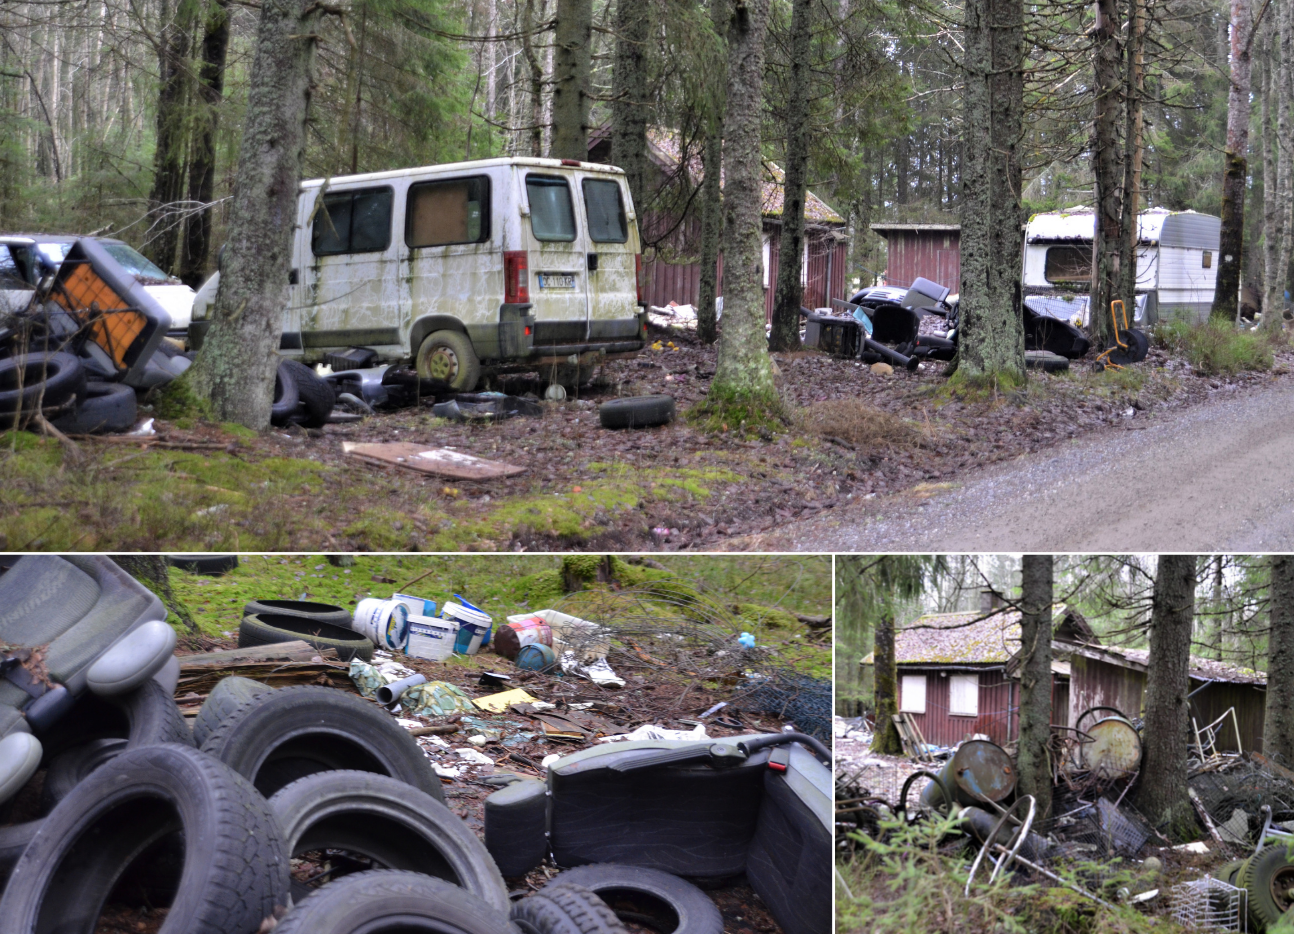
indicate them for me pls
(1217, 349)
(858, 423)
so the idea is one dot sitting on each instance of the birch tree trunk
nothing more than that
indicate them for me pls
(1226, 297)
(572, 63)
(630, 108)
(1278, 725)
(202, 166)
(236, 365)
(790, 293)
(1033, 763)
(992, 336)
(711, 206)
(743, 378)
(1282, 89)
(1129, 227)
(1108, 172)
(1164, 800)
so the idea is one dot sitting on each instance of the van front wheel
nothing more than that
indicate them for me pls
(448, 356)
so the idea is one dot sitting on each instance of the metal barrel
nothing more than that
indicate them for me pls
(979, 770)
(1115, 750)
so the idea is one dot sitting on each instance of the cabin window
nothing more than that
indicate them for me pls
(912, 695)
(1069, 264)
(605, 211)
(1206, 261)
(552, 217)
(353, 222)
(455, 210)
(963, 695)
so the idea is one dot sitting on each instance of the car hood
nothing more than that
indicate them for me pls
(177, 300)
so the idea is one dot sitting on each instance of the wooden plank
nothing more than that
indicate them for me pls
(276, 674)
(443, 462)
(295, 651)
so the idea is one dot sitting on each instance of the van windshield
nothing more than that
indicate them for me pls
(605, 212)
(552, 216)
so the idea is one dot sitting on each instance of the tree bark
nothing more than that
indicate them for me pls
(572, 64)
(1163, 800)
(886, 738)
(711, 196)
(168, 157)
(790, 293)
(1273, 228)
(236, 365)
(992, 335)
(152, 572)
(1108, 173)
(202, 167)
(1226, 297)
(1282, 81)
(1278, 725)
(743, 375)
(630, 108)
(1033, 764)
(1134, 87)
(536, 82)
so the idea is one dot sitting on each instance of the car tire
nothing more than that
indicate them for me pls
(386, 902)
(286, 395)
(637, 412)
(328, 613)
(1258, 877)
(102, 408)
(516, 819)
(48, 380)
(565, 909)
(449, 356)
(633, 890)
(210, 565)
(13, 841)
(314, 394)
(1046, 361)
(233, 872)
(276, 738)
(145, 716)
(272, 628)
(390, 823)
(68, 769)
(227, 696)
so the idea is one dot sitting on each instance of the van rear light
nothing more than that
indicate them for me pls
(640, 274)
(516, 277)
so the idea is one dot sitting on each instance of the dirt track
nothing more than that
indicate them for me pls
(1218, 476)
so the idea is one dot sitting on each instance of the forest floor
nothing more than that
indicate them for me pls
(854, 436)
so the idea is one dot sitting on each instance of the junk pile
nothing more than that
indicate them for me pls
(154, 792)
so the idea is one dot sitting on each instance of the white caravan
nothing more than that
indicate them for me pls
(1177, 261)
(508, 263)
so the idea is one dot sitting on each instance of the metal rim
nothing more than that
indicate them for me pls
(1281, 887)
(441, 363)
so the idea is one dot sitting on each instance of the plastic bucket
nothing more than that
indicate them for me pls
(417, 605)
(536, 657)
(473, 627)
(431, 638)
(467, 606)
(384, 622)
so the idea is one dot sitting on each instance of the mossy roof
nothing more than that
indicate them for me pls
(958, 639)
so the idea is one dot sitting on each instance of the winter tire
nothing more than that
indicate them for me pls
(386, 821)
(637, 412)
(227, 696)
(145, 716)
(674, 904)
(231, 871)
(314, 394)
(516, 819)
(68, 769)
(449, 356)
(103, 407)
(565, 909)
(211, 565)
(1046, 361)
(1228, 871)
(286, 395)
(273, 628)
(384, 902)
(319, 612)
(13, 840)
(43, 379)
(289, 733)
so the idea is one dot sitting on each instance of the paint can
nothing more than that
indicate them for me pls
(431, 638)
(417, 605)
(536, 657)
(473, 626)
(521, 631)
(384, 622)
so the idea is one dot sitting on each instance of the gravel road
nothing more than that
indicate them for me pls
(1216, 477)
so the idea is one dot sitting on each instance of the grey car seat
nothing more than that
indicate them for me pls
(69, 625)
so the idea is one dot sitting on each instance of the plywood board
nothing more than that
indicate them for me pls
(443, 462)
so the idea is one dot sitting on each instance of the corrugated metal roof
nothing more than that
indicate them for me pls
(1202, 669)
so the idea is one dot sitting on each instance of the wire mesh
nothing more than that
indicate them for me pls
(1233, 796)
(1209, 904)
(803, 700)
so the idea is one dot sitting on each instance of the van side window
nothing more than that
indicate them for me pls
(605, 211)
(552, 216)
(453, 211)
(1068, 264)
(353, 222)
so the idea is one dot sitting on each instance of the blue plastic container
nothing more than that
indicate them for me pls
(536, 657)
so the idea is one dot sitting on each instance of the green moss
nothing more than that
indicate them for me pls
(982, 387)
(178, 400)
(743, 413)
(769, 616)
(541, 589)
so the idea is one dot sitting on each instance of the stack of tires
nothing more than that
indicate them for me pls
(1268, 879)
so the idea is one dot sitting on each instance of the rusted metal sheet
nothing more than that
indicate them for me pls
(1095, 683)
(1250, 703)
(443, 462)
(933, 254)
(1115, 749)
(1060, 701)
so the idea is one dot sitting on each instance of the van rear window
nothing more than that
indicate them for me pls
(552, 217)
(353, 222)
(452, 211)
(605, 211)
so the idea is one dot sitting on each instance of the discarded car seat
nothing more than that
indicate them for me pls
(673, 904)
(637, 412)
(273, 628)
(101, 408)
(227, 696)
(142, 802)
(19, 760)
(385, 820)
(565, 909)
(276, 738)
(319, 612)
(516, 819)
(1047, 332)
(393, 902)
(39, 380)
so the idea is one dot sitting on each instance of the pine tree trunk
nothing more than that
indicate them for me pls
(202, 167)
(168, 157)
(236, 365)
(711, 205)
(152, 572)
(1277, 274)
(1166, 734)
(886, 738)
(536, 82)
(1129, 227)
(1108, 173)
(992, 335)
(1033, 764)
(790, 293)
(1278, 725)
(630, 108)
(743, 375)
(1231, 246)
(572, 63)
(1273, 226)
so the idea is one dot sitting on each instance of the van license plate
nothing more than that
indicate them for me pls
(559, 281)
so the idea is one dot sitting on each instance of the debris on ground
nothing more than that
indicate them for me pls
(444, 462)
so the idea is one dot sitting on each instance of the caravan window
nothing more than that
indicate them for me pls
(452, 211)
(1069, 264)
(605, 212)
(353, 222)
(552, 217)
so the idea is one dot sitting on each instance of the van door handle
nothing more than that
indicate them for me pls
(593, 262)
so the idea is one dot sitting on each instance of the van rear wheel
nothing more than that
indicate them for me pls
(449, 356)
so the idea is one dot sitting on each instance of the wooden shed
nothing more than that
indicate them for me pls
(932, 251)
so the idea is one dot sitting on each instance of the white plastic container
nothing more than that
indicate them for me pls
(473, 625)
(431, 638)
(417, 605)
(384, 622)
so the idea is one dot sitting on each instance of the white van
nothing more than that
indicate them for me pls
(1177, 261)
(497, 264)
